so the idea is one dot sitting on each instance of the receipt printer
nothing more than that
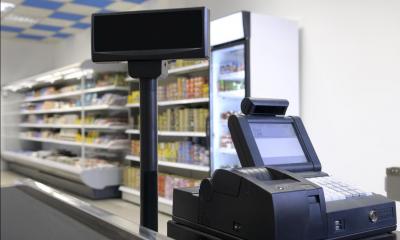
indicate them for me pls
(280, 193)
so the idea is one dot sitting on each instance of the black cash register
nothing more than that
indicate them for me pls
(280, 193)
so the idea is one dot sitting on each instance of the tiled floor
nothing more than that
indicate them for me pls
(118, 207)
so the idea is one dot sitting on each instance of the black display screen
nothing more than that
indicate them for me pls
(278, 143)
(157, 30)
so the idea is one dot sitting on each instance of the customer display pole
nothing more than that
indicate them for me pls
(148, 72)
(144, 39)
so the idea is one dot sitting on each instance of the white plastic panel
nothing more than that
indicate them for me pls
(226, 29)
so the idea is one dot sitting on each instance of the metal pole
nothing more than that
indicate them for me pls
(148, 153)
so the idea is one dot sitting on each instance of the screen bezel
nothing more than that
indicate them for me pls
(155, 54)
(247, 148)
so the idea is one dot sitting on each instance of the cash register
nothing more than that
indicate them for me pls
(280, 192)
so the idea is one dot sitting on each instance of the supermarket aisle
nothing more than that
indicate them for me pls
(129, 211)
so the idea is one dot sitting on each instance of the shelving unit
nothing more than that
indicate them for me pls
(185, 170)
(94, 182)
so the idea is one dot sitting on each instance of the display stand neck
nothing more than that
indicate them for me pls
(148, 72)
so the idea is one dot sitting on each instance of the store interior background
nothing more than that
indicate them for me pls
(350, 75)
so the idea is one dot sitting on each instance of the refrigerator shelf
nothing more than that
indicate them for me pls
(233, 76)
(232, 94)
(75, 109)
(113, 145)
(230, 151)
(171, 133)
(185, 166)
(183, 101)
(76, 93)
(96, 178)
(94, 126)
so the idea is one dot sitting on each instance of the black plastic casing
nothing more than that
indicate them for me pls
(154, 54)
(264, 106)
(252, 203)
(271, 203)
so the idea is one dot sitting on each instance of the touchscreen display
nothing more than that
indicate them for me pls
(277, 143)
(149, 31)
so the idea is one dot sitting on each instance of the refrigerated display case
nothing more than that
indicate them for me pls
(252, 56)
(228, 89)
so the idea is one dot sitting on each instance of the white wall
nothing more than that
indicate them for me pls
(21, 58)
(350, 77)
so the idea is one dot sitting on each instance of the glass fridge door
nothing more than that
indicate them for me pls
(227, 92)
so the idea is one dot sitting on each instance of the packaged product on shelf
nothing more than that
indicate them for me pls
(67, 134)
(228, 85)
(179, 151)
(184, 88)
(106, 79)
(69, 158)
(134, 97)
(226, 141)
(231, 67)
(93, 99)
(50, 105)
(183, 63)
(106, 121)
(69, 88)
(183, 119)
(96, 137)
(166, 182)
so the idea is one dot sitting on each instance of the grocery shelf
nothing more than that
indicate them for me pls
(76, 93)
(182, 134)
(75, 109)
(42, 125)
(171, 133)
(174, 102)
(53, 96)
(183, 101)
(188, 69)
(132, 131)
(234, 76)
(62, 110)
(106, 88)
(232, 94)
(133, 195)
(49, 140)
(114, 145)
(133, 105)
(132, 158)
(103, 107)
(96, 177)
(93, 126)
(185, 166)
(129, 79)
(227, 150)
(108, 127)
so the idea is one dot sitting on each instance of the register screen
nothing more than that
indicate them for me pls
(277, 143)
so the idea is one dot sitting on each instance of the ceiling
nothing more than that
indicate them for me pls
(54, 20)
